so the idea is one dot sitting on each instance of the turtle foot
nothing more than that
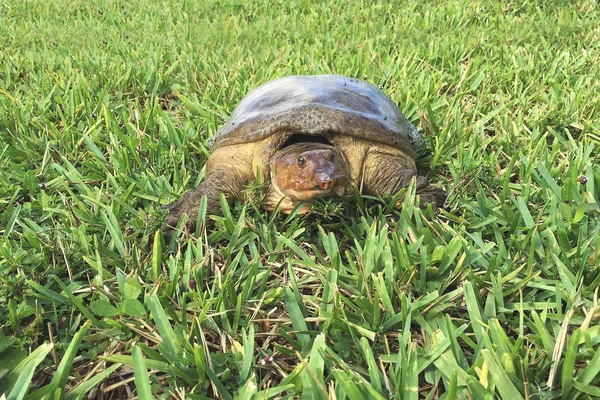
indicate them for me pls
(188, 204)
(432, 195)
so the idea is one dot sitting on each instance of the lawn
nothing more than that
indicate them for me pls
(106, 111)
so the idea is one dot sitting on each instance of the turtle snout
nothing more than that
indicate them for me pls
(325, 181)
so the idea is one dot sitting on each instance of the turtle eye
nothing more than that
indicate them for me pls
(301, 162)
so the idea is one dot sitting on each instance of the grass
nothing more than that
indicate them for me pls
(106, 109)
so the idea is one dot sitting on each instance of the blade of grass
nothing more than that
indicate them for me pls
(21, 386)
(296, 316)
(80, 391)
(142, 381)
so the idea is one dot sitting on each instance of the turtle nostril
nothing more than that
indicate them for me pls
(324, 180)
(325, 184)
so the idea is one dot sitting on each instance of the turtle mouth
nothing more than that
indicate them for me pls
(339, 188)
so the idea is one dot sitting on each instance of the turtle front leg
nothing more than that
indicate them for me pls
(386, 174)
(230, 182)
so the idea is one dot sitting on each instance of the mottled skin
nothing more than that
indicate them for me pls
(348, 134)
(305, 171)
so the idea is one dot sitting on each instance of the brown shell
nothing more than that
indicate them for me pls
(317, 105)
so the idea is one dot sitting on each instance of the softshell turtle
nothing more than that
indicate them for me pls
(306, 137)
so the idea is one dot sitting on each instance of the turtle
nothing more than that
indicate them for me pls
(307, 137)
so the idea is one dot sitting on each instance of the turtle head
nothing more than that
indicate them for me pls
(305, 171)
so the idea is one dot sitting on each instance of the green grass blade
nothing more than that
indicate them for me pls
(296, 316)
(128, 360)
(142, 381)
(569, 364)
(80, 391)
(156, 255)
(248, 354)
(77, 303)
(35, 358)
(591, 371)
(313, 383)
(218, 384)
(169, 339)
(410, 375)
(350, 388)
(66, 364)
(374, 373)
(474, 310)
(21, 386)
(505, 387)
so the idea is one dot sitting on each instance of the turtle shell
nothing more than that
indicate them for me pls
(319, 105)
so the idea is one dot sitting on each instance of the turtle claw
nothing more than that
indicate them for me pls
(187, 204)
